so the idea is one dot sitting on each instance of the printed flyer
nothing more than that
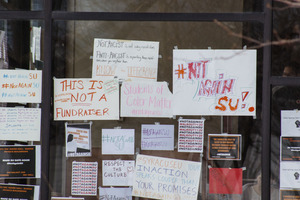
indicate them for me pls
(190, 135)
(214, 82)
(290, 123)
(19, 192)
(20, 161)
(78, 140)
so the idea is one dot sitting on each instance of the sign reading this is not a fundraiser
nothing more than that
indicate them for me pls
(86, 99)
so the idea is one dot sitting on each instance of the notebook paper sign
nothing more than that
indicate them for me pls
(126, 59)
(165, 178)
(214, 82)
(21, 86)
(20, 124)
(157, 137)
(86, 99)
(146, 99)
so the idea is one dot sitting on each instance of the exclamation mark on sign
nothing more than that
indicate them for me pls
(244, 96)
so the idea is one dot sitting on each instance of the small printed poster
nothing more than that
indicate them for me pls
(289, 175)
(19, 192)
(214, 82)
(118, 141)
(20, 124)
(86, 99)
(146, 99)
(290, 123)
(84, 178)
(20, 161)
(166, 178)
(224, 146)
(190, 135)
(225, 181)
(117, 172)
(290, 148)
(115, 193)
(23, 86)
(78, 140)
(157, 137)
(125, 59)
(289, 194)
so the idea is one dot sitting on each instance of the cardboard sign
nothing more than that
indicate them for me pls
(115, 193)
(21, 86)
(78, 140)
(165, 178)
(84, 178)
(157, 137)
(20, 123)
(224, 147)
(19, 192)
(214, 82)
(20, 161)
(289, 194)
(117, 172)
(118, 141)
(290, 123)
(225, 181)
(146, 99)
(126, 59)
(190, 135)
(86, 99)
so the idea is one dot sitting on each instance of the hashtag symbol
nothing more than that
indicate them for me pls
(5, 85)
(180, 71)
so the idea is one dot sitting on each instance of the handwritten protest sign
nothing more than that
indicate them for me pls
(165, 178)
(84, 178)
(115, 193)
(126, 59)
(190, 135)
(118, 141)
(214, 82)
(146, 99)
(117, 172)
(20, 123)
(157, 137)
(78, 140)
(21, 86)
(86, 99)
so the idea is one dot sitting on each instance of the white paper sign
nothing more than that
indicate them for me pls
(157, 137)
(117, 172)
(289, 175)
(20, 124)
(165, 178)
(290, 123)
(118, 141)
(190, 135)
(146, 99)
(214, 82)
(84, 178)
(115, 193)
(86, 99)
(23, 86)
(78, 140)
(126, 59)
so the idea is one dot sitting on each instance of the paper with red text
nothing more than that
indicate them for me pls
(86, 99)
(125, 59)
(146, 99)
(214, 82)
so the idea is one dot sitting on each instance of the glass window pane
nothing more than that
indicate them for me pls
(204, 6)
(26, 5)
(73, 48)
